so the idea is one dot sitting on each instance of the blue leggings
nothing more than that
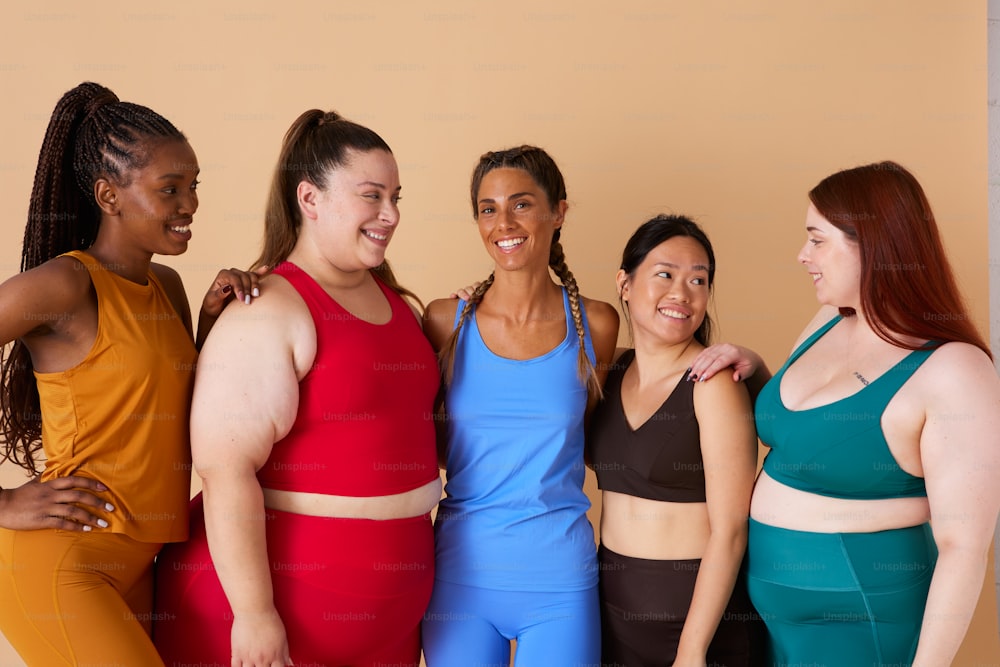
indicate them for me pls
(841, 599)
(466, 626)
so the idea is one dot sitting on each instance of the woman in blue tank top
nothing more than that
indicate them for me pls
(872, 518)
(523, 359)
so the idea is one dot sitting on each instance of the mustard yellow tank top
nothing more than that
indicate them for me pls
(121, 415)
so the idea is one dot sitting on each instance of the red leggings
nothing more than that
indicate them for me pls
(349, 591)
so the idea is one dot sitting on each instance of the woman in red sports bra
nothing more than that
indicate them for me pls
(312, 430)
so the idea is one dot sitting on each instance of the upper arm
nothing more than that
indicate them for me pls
(174, 288)
(960, 445)
(439, 321)
(728, 447)
(603, 321)
(45, 297)
(246, 387)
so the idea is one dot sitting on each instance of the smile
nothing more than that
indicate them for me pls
(374, 235)
(182, 229)
(674, 313)
(507, 244)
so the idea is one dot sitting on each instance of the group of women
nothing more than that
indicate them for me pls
(318, 426)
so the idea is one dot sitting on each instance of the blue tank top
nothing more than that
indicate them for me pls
(839, 449)
(514, 516)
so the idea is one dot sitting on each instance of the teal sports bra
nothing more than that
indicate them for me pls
(839, 449)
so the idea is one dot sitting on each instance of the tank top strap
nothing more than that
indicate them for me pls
(809, 342)
(886, 385)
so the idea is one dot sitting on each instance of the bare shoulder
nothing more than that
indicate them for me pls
(439, 320)
(60, 285)
(954, 368)
(718, 389)
(602, 317)
(166, 275)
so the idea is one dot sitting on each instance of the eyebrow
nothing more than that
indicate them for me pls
(513, 196)
(376, 185)
(165, 177)
(815, 229)
(696, 267)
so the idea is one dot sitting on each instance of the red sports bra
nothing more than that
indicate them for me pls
(365, 425)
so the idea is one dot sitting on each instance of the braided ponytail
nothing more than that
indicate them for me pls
(585, 367)
(446, 357)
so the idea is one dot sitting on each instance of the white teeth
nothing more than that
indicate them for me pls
(374, 235)
(674, 313)
(507, 244)
(181, 230)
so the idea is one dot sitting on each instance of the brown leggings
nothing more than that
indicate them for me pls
(75, 598)
(644, 604)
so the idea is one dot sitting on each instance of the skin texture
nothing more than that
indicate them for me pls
(53, 309)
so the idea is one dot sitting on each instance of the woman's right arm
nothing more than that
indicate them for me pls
(246, 399)
(34, 305)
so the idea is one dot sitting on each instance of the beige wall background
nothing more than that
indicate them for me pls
(728, 112)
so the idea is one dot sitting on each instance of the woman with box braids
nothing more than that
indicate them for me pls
(98, 378)
(523, 359)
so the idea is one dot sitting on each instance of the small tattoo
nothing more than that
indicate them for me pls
(861, 377)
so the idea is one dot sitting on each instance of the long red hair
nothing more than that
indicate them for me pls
(908, 289)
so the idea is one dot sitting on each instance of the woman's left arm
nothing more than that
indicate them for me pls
(960, 454)
(729, 453)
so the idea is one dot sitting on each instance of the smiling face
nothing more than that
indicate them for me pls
(353, 218)
(516, 219)
(157, 205)
(833, 260)
(668, 293)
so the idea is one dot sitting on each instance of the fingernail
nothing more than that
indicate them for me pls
(693, 376)
(101, 487)
(109, 507)
(102, 523)
(227, 289)
(737, 377)
(246, 299)
(87, 529)
(256, 292)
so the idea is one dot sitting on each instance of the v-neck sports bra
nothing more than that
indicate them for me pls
(659, 460)
(837, 450)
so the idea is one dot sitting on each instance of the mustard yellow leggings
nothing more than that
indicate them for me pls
(74, 598)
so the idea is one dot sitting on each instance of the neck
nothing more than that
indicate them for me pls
(522, 295)
(325, 273)
(129, 263)
(655, 360)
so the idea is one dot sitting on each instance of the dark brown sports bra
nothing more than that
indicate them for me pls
(661, 459)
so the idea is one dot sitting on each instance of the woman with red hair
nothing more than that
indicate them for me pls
(871, 520)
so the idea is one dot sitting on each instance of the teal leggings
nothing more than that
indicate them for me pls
(840, 599)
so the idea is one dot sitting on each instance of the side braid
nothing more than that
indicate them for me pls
(446, 357)
(585, 368)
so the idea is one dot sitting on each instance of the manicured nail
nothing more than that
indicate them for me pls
(87, 529)
(256, 291)
(227, 289)
(246, 299)
(109, 507)
(102, 523)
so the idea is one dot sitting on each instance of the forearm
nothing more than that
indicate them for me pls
(954, 591)
(717, 575)
(234, 518)
(205, 324)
